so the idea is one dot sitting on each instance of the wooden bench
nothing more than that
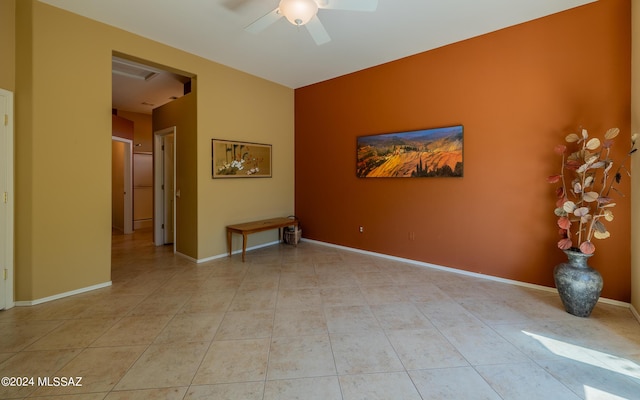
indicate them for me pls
(257, 226)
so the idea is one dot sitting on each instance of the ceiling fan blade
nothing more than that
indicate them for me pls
(235, 5)
(263, 22)
(352, 5)
(317, 31)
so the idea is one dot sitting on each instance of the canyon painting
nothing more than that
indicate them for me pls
(433, 152)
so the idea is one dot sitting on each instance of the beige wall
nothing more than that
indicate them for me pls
(63, 221)
(23, 261)
(7, 44)
(635, 127)
(181, 113)
(268, 118)
(142, 132)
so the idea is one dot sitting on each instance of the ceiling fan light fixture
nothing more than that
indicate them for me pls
(298, 12)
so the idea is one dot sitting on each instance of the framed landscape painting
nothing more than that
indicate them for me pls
(230, 159)
(435, 152)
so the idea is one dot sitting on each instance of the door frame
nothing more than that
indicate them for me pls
(128, 183)
(158, 197)
(7, 168)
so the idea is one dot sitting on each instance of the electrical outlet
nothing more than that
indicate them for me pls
(412, 236)
(361, 229)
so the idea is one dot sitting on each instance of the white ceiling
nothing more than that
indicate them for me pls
(286, 54)
(140, 95)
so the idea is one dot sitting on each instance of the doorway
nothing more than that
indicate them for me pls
(140, 89)
(165, 193)
(122, 184)
(6, 199)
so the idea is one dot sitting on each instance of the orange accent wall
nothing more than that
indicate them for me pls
(121, 127)
(518, 92)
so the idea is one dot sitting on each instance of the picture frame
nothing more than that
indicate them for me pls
(433, 152)
(235, 159)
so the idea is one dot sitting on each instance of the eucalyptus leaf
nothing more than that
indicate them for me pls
(599, 227)
(560, 212)
(588, 181)
(587, 247)
(585, 135)
(590, 197)
(593, 143)
(572, 137)
(581, 212)
(604, 200)
(592, 158)
(611, 133)
(569, 206)
(608, 167)
(564, 223)
(608, 215)
(577, 188)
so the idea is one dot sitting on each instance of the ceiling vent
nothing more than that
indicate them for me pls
(132, 70)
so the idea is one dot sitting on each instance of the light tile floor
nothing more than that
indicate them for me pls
(313, 322)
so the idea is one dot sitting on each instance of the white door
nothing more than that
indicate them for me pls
(168, 185)
(122, 185)
(164, 189)
(117, 185)
(6, 199)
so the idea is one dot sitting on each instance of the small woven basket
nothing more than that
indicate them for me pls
(292, 234)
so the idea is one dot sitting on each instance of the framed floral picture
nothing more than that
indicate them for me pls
(232, 159)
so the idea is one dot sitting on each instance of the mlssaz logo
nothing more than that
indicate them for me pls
(60, 381)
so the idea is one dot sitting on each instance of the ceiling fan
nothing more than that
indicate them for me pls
(304, 12)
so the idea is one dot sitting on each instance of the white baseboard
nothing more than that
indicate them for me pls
(193, 260)
(202, 260)
(62, 295)
(635, 312)
(463, 272)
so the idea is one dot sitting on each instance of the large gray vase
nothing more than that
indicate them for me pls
(578, 284)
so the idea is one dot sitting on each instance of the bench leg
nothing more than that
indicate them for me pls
(244, 245)
(229, 241)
